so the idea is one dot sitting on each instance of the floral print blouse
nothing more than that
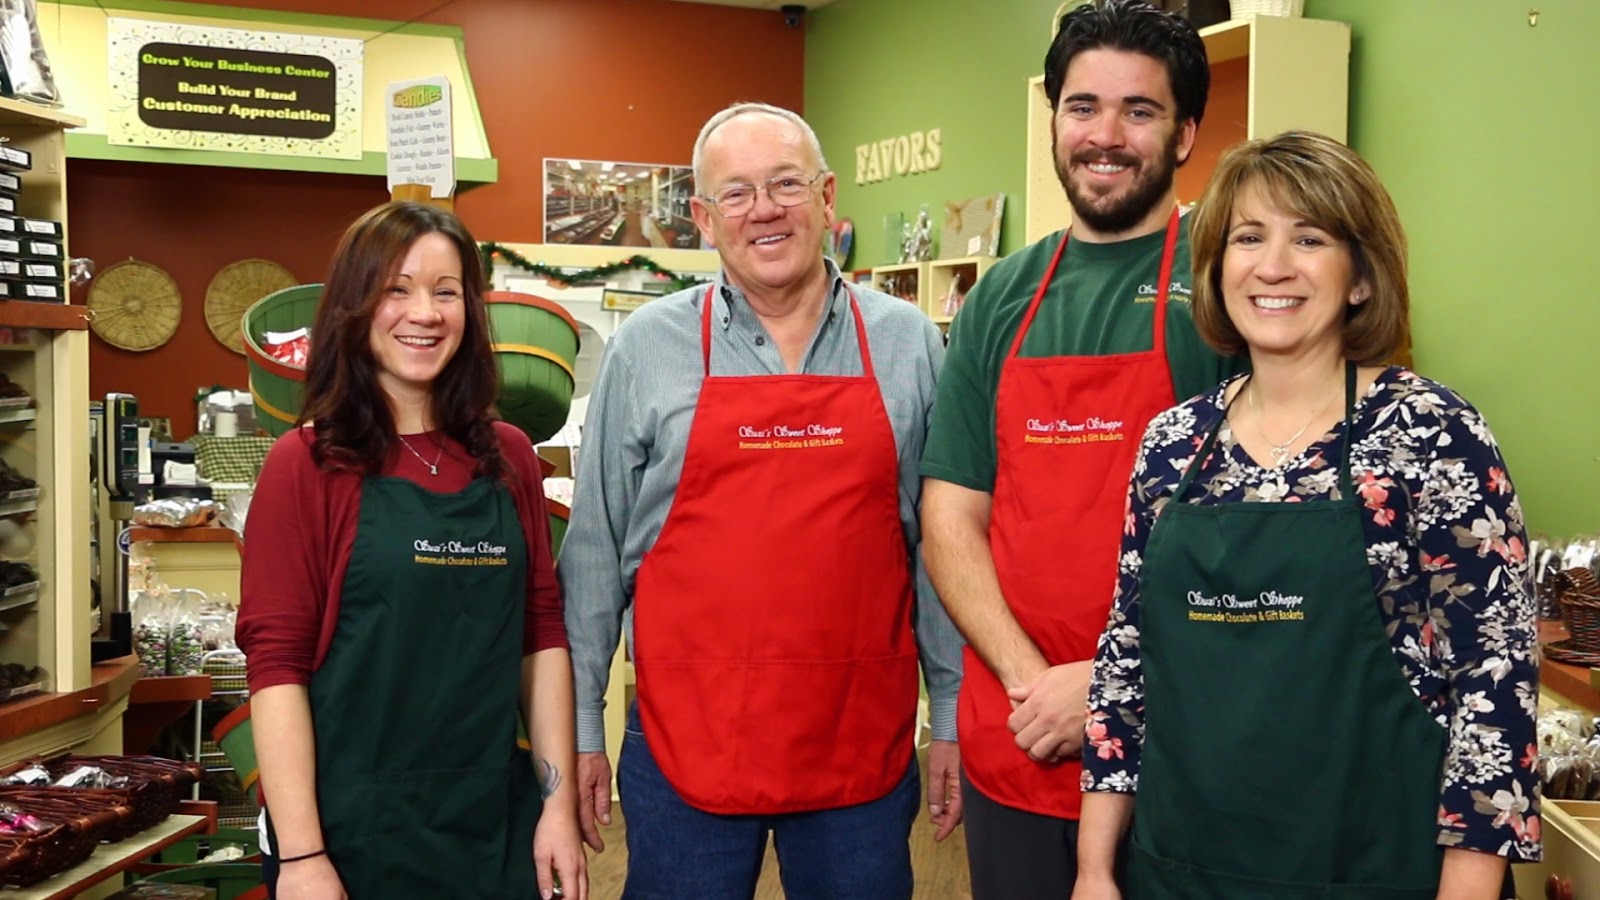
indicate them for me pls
(1447, 550)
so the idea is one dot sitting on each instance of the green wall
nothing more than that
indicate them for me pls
(1483, 127)
(878, 69)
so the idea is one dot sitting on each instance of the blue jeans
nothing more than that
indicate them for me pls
(677, 852)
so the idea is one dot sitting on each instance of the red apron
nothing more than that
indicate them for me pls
(1068, 429)
(777, 671)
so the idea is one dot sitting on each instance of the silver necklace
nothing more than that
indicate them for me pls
(1280, 452)
(433, 467)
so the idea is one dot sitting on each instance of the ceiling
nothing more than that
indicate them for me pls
(761, 4)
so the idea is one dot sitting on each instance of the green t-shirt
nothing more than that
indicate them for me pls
(1101, 301)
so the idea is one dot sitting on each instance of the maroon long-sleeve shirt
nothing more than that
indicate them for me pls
(302, 527)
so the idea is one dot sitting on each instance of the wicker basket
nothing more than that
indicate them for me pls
(80, 819)
(155, 785)
(1580, 608)
(1244, 9)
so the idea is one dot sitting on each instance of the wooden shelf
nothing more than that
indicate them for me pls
(170, 688)
(205, 534)
(14, 113)
(110, 860)
(1575, 683)
(942, 272)
(54, 316)
(109, 681)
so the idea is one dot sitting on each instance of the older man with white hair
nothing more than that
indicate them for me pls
(748, 498)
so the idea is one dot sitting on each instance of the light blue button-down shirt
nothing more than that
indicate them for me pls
(637, 432)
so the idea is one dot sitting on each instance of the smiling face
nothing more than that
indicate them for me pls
(770, 247)
(420, 317)
(1118, 143)
(1287, 283)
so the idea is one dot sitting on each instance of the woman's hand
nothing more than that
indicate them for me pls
(558, 849)
(309, 879)
(1095, 887)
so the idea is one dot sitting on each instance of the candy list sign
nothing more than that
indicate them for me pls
(197, 88)
(420, 135)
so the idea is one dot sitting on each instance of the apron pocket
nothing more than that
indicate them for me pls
(1150, 877)
(435, 833)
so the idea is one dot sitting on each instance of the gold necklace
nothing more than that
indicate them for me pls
(433, 467)
(1280, 452)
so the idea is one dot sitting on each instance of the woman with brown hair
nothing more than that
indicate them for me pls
(399, 603)
(1319, 676)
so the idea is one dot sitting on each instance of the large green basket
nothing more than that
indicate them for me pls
(276, 388)
(536, 346)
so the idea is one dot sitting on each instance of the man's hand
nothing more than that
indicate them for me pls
(1048, 719)
(944, 788)
(594, 797)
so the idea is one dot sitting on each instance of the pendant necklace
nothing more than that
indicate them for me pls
(433, 467)
(1280, 452)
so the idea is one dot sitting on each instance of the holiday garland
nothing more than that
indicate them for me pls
(492, 251)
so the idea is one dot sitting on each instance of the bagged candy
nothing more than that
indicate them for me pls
(15, 821)
(289, 347)
(91, 777)
(186, 645)
(32, 776)
(186, 512)
(152, 613)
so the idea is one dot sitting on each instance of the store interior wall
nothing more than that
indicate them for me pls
(623, 80)
(1479, 123)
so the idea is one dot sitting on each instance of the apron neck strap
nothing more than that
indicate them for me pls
(1346, 489)
(855, 311)
(1169, 251)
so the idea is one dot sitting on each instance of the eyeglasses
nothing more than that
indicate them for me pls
(737, 200)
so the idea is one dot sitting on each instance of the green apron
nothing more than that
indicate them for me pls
(1285, 755)
(422, 790)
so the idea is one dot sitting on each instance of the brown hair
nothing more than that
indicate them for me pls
(344, 402)
(1332, 186)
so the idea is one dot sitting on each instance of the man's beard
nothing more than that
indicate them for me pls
(1112, 213)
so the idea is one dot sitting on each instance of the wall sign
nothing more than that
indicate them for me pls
(198, 88)
(420, 146)
(908, 154)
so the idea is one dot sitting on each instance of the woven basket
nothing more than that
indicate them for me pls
(81, 819)
(1244, 9)
(1580, 608)
(155, 785)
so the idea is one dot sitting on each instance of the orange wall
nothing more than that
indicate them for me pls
(628, 80)
(1225, 124)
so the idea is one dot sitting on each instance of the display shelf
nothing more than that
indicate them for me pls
(10, 508)
(14, 416)
(206, 534)
(46, 352)
(33, 314)
(943, 273)
(110, 681)
(15, 113)
(20, 601)
(891, 280)
(1269, 74)
(112, 860)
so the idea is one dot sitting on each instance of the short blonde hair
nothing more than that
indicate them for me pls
(1332, 186)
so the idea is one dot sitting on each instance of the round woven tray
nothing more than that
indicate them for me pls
(136, 306)
(232, 291)
(1579, 591)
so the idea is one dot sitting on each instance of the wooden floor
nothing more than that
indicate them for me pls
(940, 869)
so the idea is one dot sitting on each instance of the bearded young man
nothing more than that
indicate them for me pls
(1059, 358)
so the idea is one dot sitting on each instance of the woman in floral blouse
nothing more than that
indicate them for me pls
(1320, 674)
